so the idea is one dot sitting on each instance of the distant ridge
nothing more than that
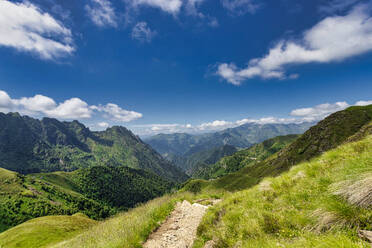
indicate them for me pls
(347, 125)
(182, 147)
(29, 145)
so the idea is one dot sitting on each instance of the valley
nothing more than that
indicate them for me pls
(295, 190)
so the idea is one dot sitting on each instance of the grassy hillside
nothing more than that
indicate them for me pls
(98, 192)
(305, 207)
(244, 158)
(29, 145)
(331, 132)
(126, 230)
(45, 231)
(321, 203)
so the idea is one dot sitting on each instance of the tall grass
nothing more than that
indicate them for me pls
(129, 229)
(301, 208)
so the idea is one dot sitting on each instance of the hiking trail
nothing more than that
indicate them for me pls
(179, 229)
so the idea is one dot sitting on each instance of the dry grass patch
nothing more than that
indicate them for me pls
(358, 193)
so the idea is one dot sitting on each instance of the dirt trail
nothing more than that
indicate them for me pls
(179, 230)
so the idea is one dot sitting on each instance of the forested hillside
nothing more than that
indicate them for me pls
(207, 157)
(301, 196)
(244, 158)
(98, 192)
(29, 145)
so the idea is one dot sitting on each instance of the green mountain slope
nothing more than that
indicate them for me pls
(204, 158)
(29, 145)
(179, 147)
(301, 208)
(98, 192)
(327, 134)
(244, 158)
(321, 203)
(45, 231)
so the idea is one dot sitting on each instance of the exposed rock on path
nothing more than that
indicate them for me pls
(179, 230)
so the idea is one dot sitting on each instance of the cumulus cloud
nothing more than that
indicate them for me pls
(169, 6)
(296, 116)
(363, 103)
(172, 7)
(101, 13)
(240, 7)
(333, 39)
(25, 27)
(103, 124)
(214, 125)
(73, 108)
(320, 111)
(114, 112)
(142, 32)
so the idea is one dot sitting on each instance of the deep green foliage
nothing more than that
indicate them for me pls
(244, 158)
(26, 197)
(97, 191)
(29, 145)
(199, 159)
(120, 187)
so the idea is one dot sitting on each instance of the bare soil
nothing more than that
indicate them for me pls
(179, 230)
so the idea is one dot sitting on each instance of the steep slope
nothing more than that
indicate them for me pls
(317, 203)
(29, 145)
(98, 192)
(45, 231)
(301, 208)
(246, 157)
(327, 134)
(178, 147)
(321, 203)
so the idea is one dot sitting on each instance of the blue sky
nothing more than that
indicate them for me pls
(184, 65)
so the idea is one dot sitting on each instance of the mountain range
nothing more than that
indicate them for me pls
(29, 145)
(244, 158)
(294, 190)
(185, 150)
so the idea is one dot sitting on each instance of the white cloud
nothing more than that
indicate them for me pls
(296, 116)
(192, 8)
(101, 13)
(73, 108)
(38, 103)
(363, 103)
(114, 112)
(268, 120)
(217, 124)
(333, 39)
(240, 7)
(142, 32)
(169, 6)
(25, 27)
(103, 124)
(320, 111)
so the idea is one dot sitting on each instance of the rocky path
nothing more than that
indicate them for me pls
(179, 230)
